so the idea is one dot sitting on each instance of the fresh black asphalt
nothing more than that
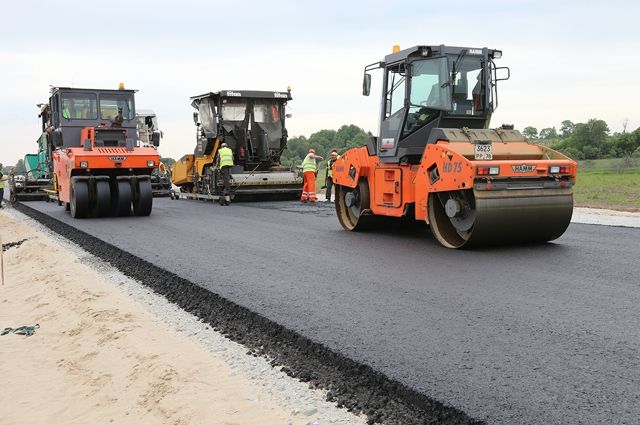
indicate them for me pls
(533, 334)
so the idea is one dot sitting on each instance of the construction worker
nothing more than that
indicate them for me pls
(69, 110)
(225, 162)
(309, 171)
(333, 157)
(3, 178)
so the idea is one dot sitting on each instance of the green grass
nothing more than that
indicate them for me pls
(608, 183)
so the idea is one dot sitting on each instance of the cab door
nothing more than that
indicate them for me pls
(393, 110)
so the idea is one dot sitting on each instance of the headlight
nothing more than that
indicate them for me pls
(84, 164)
(151, 163)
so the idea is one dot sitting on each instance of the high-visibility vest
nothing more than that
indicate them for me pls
(309, 164)
(67, 114)
(329, 169)
(1, 183)
(226, 157)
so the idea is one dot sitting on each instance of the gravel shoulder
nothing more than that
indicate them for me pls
(605, 217)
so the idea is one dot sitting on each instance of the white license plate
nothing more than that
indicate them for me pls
(483, 151)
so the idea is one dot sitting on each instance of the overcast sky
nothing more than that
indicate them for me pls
(569, 59)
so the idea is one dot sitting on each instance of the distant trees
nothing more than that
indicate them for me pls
(168, 162)
(20, 168)
(590, 140)
(566, 128)
(530, 133)
(323, 141)
(548, 133)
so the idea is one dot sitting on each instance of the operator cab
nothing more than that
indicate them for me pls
(427, 87)
(251, 123)
(148, 132)
(110, 113)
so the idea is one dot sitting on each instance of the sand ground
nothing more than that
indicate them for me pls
(98, 357)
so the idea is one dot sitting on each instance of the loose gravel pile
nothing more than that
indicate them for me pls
(272, 348)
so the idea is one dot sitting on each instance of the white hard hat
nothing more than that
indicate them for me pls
(224, 145)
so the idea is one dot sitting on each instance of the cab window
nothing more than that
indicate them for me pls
(112, 104)
(395, 90)
(468, 87)
(429, 92)
(79, 106)
(234, 110)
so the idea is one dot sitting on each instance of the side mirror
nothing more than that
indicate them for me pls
(195, 118)
(155, 138)
(288, 116)
(366, 85)
(502, 73)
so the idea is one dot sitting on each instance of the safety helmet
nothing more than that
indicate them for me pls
(224, 145)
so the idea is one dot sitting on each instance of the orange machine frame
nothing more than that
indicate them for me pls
(78, 161)
(393, 188)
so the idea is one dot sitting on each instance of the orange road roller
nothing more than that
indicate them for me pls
(435, 159)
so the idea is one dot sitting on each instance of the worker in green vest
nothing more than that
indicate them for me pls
(329, 178)
(225, 162)
(70, 111)
(309, 171)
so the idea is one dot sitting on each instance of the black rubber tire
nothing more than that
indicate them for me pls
(121, 198)
(79, 205)
(358, 216)
(143, 203)
(102, 202)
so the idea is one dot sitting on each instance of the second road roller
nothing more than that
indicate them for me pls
(436, 160)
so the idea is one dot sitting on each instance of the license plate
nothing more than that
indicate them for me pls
(483, 151)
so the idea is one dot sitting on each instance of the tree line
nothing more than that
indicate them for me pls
(590, 140)
(324, 141)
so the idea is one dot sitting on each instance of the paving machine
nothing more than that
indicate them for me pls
(147, 131)
(36, 181)
(435, 159)
(252, 124)
(99, 168)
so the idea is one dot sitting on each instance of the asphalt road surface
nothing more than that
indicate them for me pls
(533, 334)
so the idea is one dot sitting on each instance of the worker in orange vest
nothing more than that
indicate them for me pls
(309, 172)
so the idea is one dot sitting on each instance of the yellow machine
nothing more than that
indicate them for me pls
(252, 124)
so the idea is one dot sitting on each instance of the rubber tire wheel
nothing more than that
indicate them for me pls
(143, 203)
(121, 198)
(79, 205)
(102, 205)
(346, 215)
